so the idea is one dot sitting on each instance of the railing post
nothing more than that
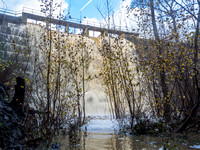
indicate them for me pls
(4, 22)
(104, 33)
(122, 35)
(86, 32)
(67, 29)
(24, 18)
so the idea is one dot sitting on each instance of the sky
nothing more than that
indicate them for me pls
(122, 16)
(87, 14)
(71, 6)
(89, 11)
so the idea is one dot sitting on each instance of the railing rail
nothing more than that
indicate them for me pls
(73, 20)
(32, 11)
(10, 12)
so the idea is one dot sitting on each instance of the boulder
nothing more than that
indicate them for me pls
(10, 127)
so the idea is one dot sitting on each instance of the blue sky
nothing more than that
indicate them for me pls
(74, 6)
(89, 11)
(124, 18)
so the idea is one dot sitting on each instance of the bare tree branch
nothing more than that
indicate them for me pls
(4, 4)
(188, 10)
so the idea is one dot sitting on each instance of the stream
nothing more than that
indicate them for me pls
(101, 134)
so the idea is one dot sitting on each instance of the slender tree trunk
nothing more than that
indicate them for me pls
(128, 87)
(155, 30)
(164, 87)
(83, 82)
(78, 101)
(49, 65)
(196, 106)
(175, 28)
(196, 48)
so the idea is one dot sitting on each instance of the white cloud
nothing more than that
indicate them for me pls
(122, 19)
(32, 5)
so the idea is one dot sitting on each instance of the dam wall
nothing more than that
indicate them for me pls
(26, 43)
(21, 43)
(12, 36)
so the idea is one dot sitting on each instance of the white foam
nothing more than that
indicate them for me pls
(101, 126)
(195, 146)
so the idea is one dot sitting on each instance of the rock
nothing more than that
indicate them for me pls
(16, 147)
(8, 30)
(2, 91)
(18, 99)
(10, 127)
(12, 119)
(55, 146)
(10, 124)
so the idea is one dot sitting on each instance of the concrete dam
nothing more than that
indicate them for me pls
(25, 43)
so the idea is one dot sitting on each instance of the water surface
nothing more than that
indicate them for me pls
(101, 134)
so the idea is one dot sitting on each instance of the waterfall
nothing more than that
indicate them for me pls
(96, 94)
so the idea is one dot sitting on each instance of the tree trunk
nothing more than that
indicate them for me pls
(195, 108)
(162, 71)
(83, 82)
(49, 66)
(155, 30)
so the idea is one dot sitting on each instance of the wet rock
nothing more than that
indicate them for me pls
(55, 146)
(8, 30)
(16, 147)
(18, 99)
(10, 127)
(10, 124)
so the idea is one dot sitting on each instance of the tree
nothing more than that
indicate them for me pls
(106, 10)
(158, 46)
(171, 56)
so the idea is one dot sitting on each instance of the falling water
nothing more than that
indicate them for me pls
(101, 132)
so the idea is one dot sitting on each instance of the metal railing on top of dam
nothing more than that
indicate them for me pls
(84, 22)
(10, 12)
